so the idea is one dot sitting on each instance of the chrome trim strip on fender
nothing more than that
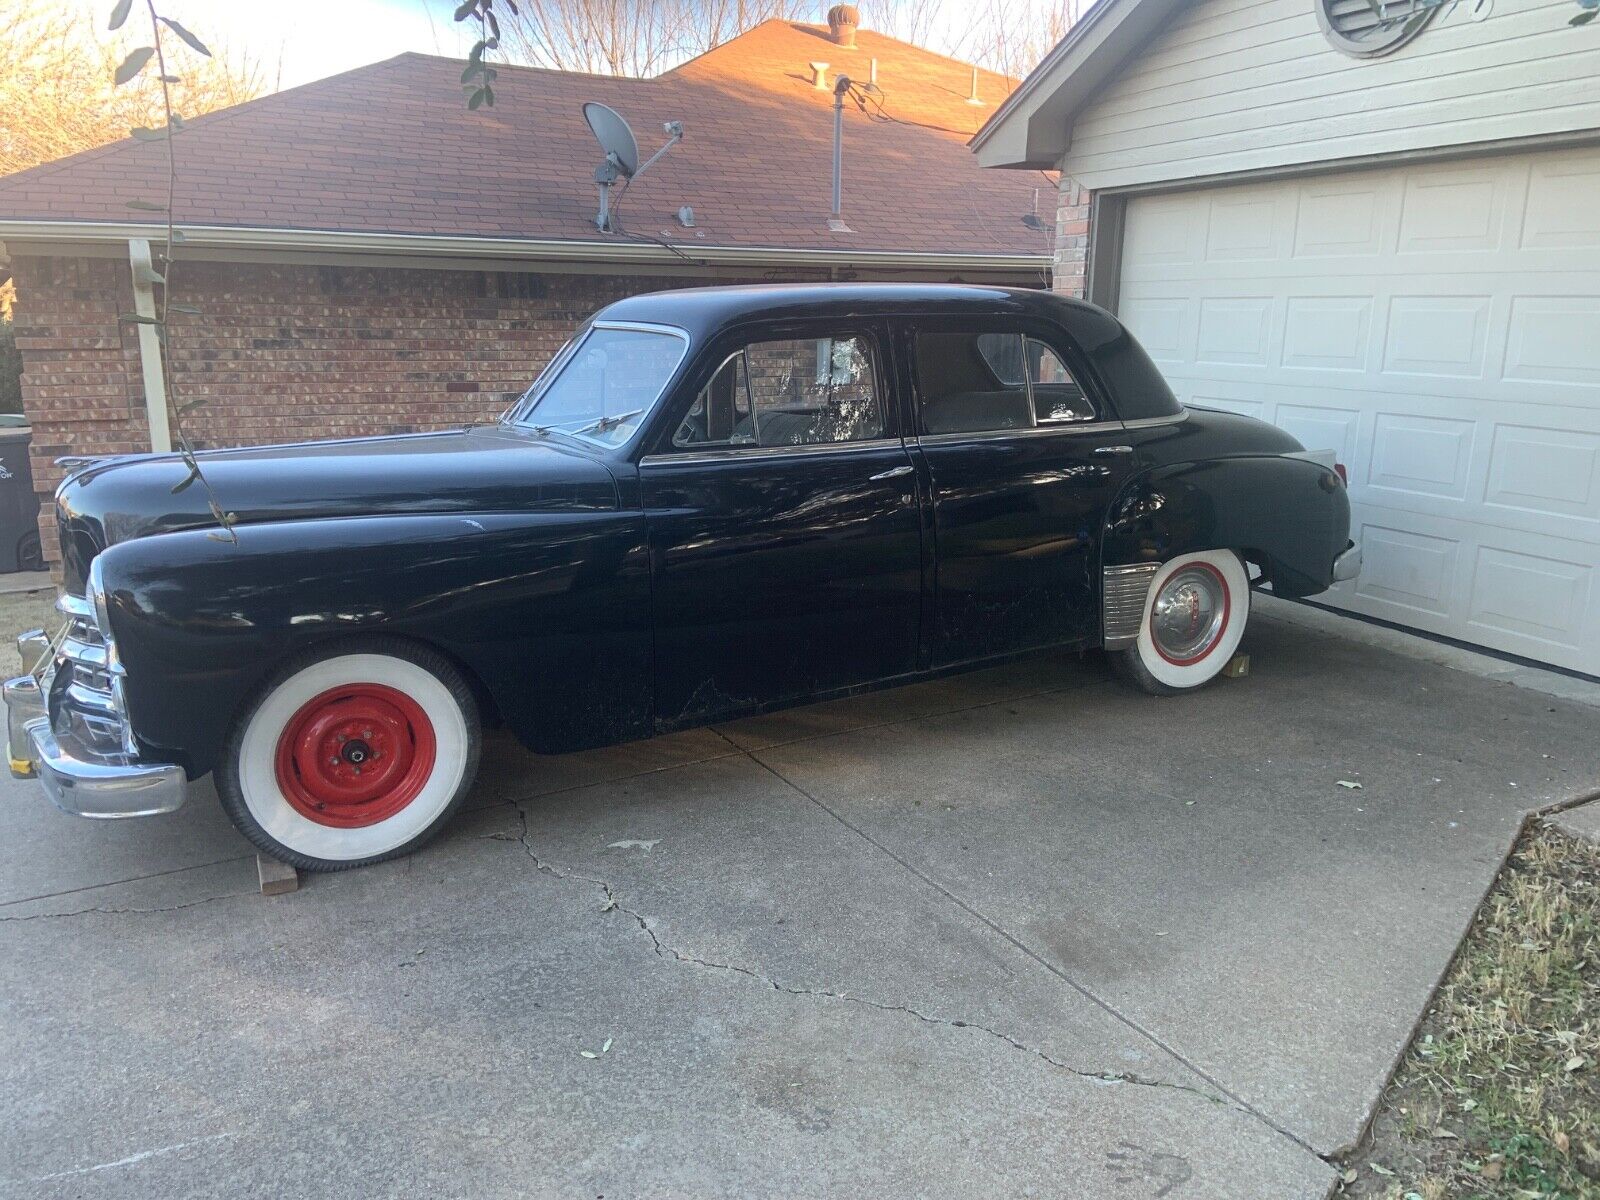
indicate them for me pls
(1123, 597)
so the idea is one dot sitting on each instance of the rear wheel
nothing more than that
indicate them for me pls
(1194, 617)
(357, 754)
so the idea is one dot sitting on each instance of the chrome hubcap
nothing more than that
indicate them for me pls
(1187, 617)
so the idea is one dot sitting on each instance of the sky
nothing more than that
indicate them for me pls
(309, 39)
(297, 41)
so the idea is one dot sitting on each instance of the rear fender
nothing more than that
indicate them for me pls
(1290, 516)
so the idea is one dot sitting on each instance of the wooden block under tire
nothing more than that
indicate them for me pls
(1238, 666)
(276, 877)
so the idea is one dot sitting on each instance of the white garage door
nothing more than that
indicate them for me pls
(1438, 326)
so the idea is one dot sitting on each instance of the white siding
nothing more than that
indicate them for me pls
(1238, 85)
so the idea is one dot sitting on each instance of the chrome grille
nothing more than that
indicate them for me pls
(86, 684)
(1126, 589)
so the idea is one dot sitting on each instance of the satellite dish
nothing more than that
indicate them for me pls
(614, 136)
(622, 154)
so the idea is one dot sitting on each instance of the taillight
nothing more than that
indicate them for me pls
(1344, 476)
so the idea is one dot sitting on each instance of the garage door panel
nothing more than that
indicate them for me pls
(1551, 340)
(1436, 335)
(1455, 210)
(1561, 213)
(1235, 330)
(1529, 596)
(1326, 333)
(1545, 472)
(1421, 455)
(1436, 327)
(1321, 428)
(1343, 219)
(1406, 569)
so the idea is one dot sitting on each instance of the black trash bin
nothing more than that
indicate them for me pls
(19, 506)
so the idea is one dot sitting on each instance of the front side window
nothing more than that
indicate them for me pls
(608, 384)
(789, 392)
(982, 382)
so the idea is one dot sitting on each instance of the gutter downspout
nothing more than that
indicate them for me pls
(150, 350)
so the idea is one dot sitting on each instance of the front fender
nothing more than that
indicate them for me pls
(550, 613)
(1289, 515)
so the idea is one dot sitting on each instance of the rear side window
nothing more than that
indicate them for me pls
(789, 392)
(981, 382)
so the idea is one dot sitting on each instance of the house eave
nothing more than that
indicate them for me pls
(16, 233)
(1033, 128)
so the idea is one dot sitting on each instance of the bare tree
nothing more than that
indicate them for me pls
(57, 94)
(1013, 36)
(627, 37)
(920, 22)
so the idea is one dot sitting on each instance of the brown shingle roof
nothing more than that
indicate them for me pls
(391, 148)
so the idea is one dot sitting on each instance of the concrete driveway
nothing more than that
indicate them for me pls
(1023, 932)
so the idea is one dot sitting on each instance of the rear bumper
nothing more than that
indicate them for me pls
(1348, 564)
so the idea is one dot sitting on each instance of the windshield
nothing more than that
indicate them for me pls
(606, 386)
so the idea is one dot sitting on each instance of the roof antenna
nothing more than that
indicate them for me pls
(622, 154)
(841, 89)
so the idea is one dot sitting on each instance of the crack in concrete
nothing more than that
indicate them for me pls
(84, 912)
(1223, 1094)
(614, 904)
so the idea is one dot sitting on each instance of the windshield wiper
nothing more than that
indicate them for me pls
(605, 423)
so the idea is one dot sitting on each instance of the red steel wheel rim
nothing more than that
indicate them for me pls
(1215, 639)
(355, 755)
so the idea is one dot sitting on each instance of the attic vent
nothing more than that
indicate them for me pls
(1372, 28)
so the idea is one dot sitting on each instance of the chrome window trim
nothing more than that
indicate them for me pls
(748, 398)
(684, 341)
(725, 453)
(1026, 431)
(1052, 427)
(720, 450)
(1177, 418)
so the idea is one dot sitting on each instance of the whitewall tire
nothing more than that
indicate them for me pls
(359, 753)
(1194, 618)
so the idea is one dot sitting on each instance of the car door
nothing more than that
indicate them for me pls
(1023, 462)
(783, 517)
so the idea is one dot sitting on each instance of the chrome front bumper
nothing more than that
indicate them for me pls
(73, 736)
(1348, 564)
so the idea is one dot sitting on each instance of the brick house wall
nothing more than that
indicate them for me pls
(284, 353)
(1069, 276)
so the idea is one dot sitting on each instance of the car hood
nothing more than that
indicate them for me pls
(498, 467)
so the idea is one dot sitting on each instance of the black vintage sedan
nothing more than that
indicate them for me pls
(712, 502)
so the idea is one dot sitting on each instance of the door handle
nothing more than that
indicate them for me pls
(891, 473)
(1113, 449)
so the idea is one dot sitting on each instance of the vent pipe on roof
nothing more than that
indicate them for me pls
(872, 71)
(842, 22)
(973, 98)
(819, 75)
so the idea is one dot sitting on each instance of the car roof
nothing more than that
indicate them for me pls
(704, 311)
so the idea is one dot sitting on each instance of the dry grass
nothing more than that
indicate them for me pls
(19, 612)
(1499, 1096)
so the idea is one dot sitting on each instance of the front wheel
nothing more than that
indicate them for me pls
(1194, 616)
(353, 755)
